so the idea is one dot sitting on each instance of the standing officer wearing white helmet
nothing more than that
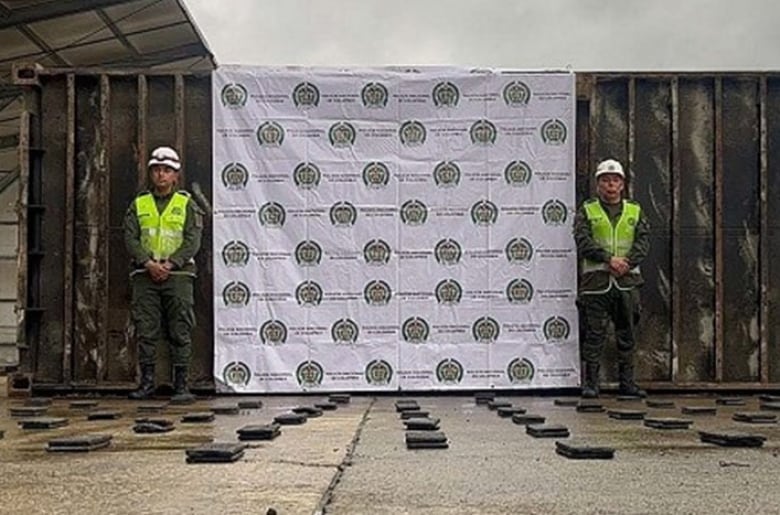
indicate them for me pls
(613, 239)
(163, 229)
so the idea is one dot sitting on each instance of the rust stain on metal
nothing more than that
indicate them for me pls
(718, 229)
(178, 109)
(104, 193)
(676, 221)
(21, 212)
(631, 143)
(141, 146)
(696, 246)
(763, 261)
(70, 178)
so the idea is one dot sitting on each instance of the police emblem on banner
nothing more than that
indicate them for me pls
(376, 252)
(270, 134)
(519, 251)
(344, 331)
(447, 252)
(484, 213)
(235, 176)
(308, 293)
(377, 293)
(374, 95)
(273, 332)
(376, 175)
(343, 214)
(307, 176)
(342, 134)
(306, 95)
(554, 212)
(518, 173)
(446, 174)
(379, 373)
(554, 132)
(483, 132)
(519, 291)
(445, 94)
(414, 212)
(309, 373)
(485, 330)
(308, 253)
(556, 329)
(236, 294)
(520, 371)
(235, 254)
(448, 292)
(449, 371)
(233, 96)
(236, 373)
(415, 330)
(272, 214)
(412, 133)
(516, 94)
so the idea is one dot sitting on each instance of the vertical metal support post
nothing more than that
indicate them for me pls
(22, 258)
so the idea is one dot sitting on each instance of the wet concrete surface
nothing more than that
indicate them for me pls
(354, 460)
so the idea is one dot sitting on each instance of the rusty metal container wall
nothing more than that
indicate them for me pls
(90, 232)
(772, 244)
(695, 220)
(101, 127)
(740, 230)
(47, 354)
(124, 121)
(650, 171)
(197, 151)
(701, 150)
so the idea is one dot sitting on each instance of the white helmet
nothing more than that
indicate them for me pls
(610, 166)
(165, 156)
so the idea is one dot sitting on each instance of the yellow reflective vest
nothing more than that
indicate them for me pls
(162, 233)
(617, 239)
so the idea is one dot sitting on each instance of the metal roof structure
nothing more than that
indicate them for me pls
(150, 34)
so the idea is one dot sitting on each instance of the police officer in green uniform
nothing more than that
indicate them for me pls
(163, 228)
(613, 239)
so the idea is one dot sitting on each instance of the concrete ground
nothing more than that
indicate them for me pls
(353, 460)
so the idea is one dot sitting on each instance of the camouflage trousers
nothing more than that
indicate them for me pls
(163, 312)
(621, 307)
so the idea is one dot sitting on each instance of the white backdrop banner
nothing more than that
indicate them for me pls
(383, 229)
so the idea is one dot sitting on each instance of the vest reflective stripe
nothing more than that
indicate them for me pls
(162, 234)
(616, 240)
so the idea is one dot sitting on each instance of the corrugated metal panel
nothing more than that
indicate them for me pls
(702, 151)
(96, 131)
(771, 246)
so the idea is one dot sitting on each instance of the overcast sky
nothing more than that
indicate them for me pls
(528, 34)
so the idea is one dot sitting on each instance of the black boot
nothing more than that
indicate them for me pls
(627, 384)
(146, 388)
(590, 386)
(181, 393)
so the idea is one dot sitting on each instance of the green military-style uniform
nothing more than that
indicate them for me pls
(603, 231)
(163, 228)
